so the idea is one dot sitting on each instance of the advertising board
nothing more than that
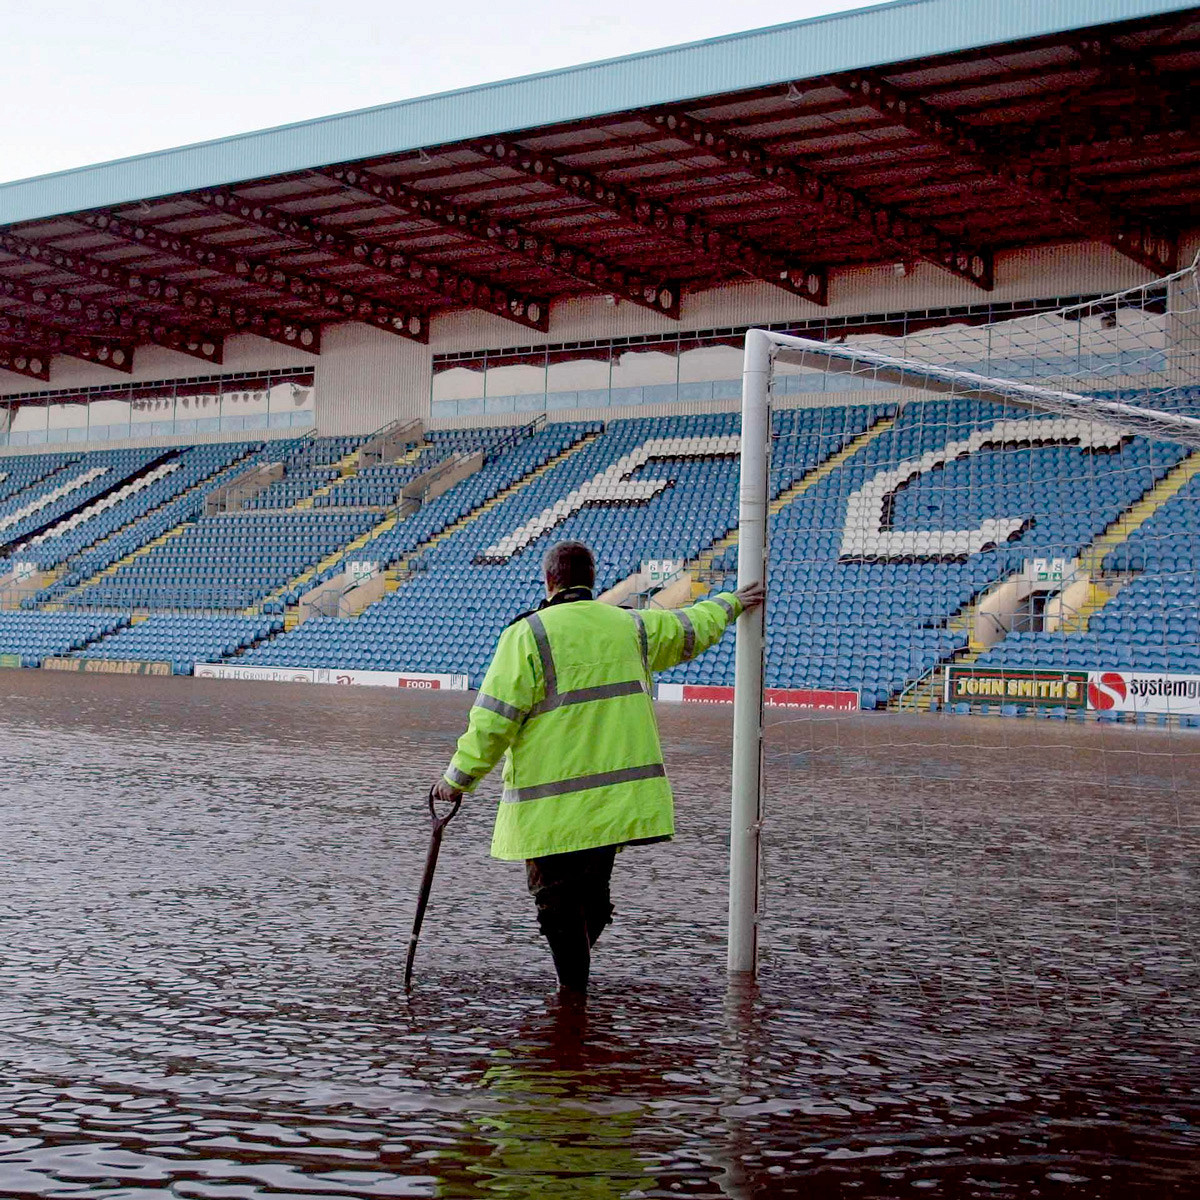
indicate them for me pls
(1015, 685)
(106, 666)
(1143, 691)
(815, 698)
(256, 674)
(10, 660)
(408, 680)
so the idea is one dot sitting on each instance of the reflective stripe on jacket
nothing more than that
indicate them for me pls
(567, 703)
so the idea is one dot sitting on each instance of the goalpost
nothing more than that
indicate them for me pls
(1120, 370)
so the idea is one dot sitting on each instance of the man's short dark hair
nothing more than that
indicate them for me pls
(569, 564)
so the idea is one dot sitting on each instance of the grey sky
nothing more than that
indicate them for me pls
(85, 82)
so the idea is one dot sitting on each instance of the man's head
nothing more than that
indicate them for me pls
(568, 564)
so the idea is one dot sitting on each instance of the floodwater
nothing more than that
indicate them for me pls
(979, 970)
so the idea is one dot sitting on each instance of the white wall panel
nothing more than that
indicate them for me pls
(366, 378)
(245, 352)
(1020, 275)
(191, 439)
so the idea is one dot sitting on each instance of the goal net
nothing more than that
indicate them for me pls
(981, 740)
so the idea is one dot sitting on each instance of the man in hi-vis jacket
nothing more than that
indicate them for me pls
(567, 702)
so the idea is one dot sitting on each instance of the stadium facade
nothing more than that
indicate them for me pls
(551, 276)
(992, 154)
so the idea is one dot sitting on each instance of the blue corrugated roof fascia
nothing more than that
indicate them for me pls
(900, 31)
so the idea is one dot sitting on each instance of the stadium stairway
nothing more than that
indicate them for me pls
(347, 468)
(1098, 596)
(403, 569)
(113, 568)
(411, 455)
(925, 694)
(197, 487)
(1130, 521)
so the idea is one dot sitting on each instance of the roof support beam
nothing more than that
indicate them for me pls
(33, 364)
(347, 303)
(197, 304)
(105, 352)
(909, 237)
(658, 295)
(662, 220)
(114, 320)
(349, 249)
(1052, 189)
(1153, 102)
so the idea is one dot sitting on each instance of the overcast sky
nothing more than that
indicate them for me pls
(84, 82)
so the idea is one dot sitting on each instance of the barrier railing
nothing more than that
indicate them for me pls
(515, 438)
(209, 600)
(379, 447)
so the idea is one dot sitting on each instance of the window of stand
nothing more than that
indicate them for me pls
(629, 374)
(705, 365)
(173, 408)
(546, 379)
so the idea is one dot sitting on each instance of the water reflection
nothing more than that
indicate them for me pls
(971, 988)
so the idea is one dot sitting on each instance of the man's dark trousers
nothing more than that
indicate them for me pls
(572, 895)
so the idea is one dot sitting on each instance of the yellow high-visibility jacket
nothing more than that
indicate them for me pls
(567, 702)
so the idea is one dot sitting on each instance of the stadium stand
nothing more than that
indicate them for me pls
(21, 472)
(66, 492)
(225, 562)
(447, 615)
(181, 640)
(464, 563)
(153, 515)
(36, 636)
(1148, 617)
(524, 456)
(166, 481)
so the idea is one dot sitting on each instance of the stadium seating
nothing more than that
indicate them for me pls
(841, 615)
(181, 498)
(448, 616)
(872, 626)
(310, 465)
(525, 455)
(1153, 621)
(226, 562)
(171, 478)
(22, 471)
(314, 472)
(182, 640)
(66, 491)
(35, 636)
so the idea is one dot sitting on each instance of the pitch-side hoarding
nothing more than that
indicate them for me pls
(1015, 685)
(1144, 691)
(411, 680)
(696, 693)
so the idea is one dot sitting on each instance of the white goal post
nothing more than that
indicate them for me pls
(763, 350)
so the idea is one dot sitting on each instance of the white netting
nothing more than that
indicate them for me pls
(1131, 359)
(1010, 531)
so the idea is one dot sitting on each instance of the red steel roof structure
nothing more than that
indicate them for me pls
(1085, 135)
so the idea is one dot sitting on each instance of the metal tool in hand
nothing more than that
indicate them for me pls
(435, 844)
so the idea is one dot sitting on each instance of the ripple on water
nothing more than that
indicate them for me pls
(971, 986)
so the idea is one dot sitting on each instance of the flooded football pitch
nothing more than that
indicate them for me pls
(980, 962)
